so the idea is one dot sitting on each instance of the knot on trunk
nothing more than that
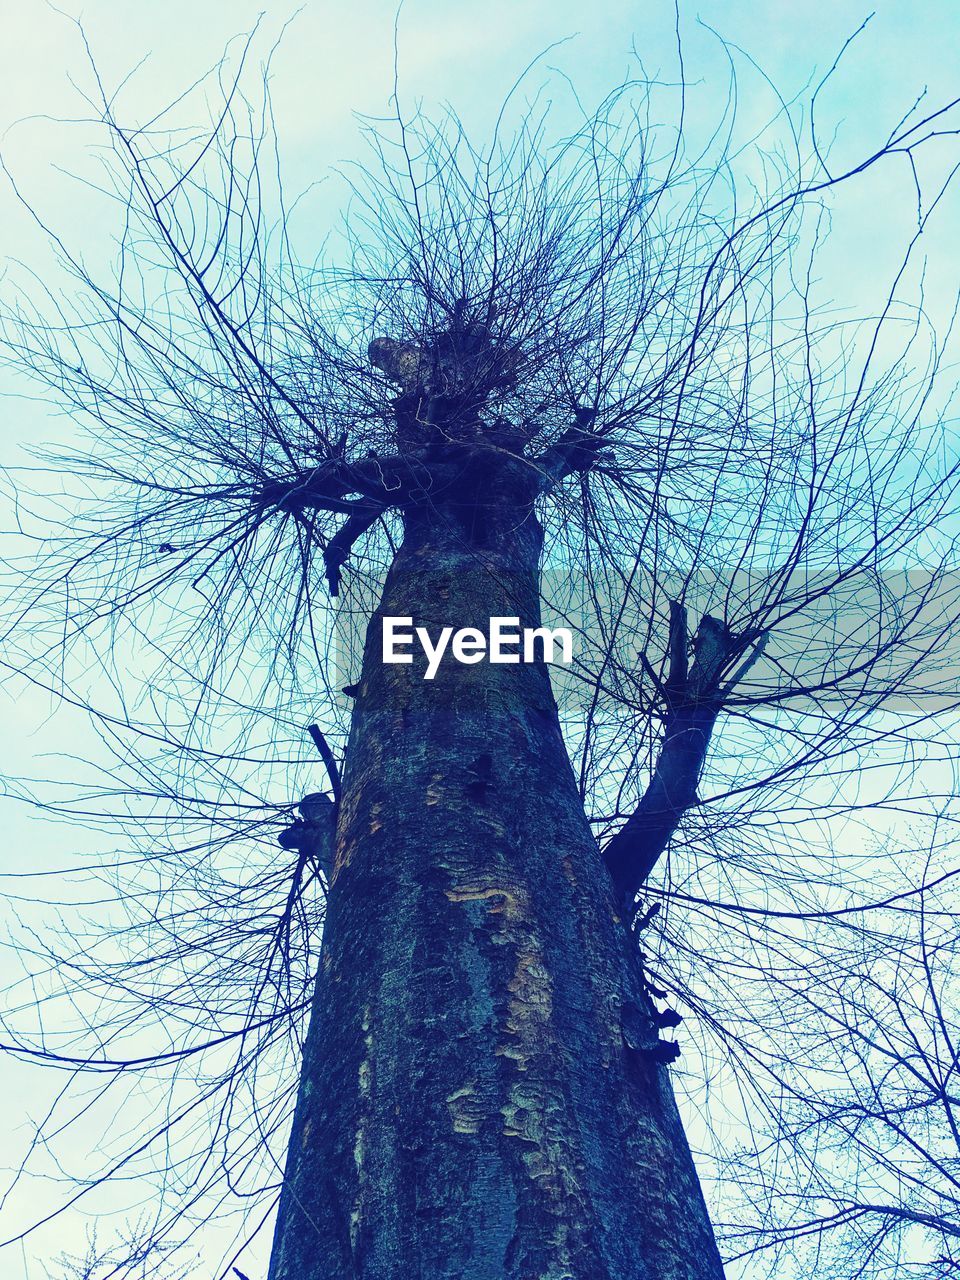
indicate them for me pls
(446, 379)
(312, 834)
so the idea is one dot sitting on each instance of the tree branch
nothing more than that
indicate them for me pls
(576, 450)
(694, 699)
(329, 759)
(337, 550)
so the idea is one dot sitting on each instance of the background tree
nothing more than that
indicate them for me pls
(745, 507)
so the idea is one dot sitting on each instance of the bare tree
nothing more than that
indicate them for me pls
(591, 382)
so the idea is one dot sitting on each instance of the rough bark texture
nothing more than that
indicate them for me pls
(481, 1097)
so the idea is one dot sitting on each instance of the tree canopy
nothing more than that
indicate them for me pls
(749, 503)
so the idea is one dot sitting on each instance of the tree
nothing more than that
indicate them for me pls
(586, 383)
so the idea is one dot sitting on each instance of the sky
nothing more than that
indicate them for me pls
(336, 60)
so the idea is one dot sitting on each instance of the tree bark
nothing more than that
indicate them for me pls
(481, 1096)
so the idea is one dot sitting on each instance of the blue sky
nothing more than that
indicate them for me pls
(337, 59)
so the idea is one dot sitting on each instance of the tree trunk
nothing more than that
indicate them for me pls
(481, 1097)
